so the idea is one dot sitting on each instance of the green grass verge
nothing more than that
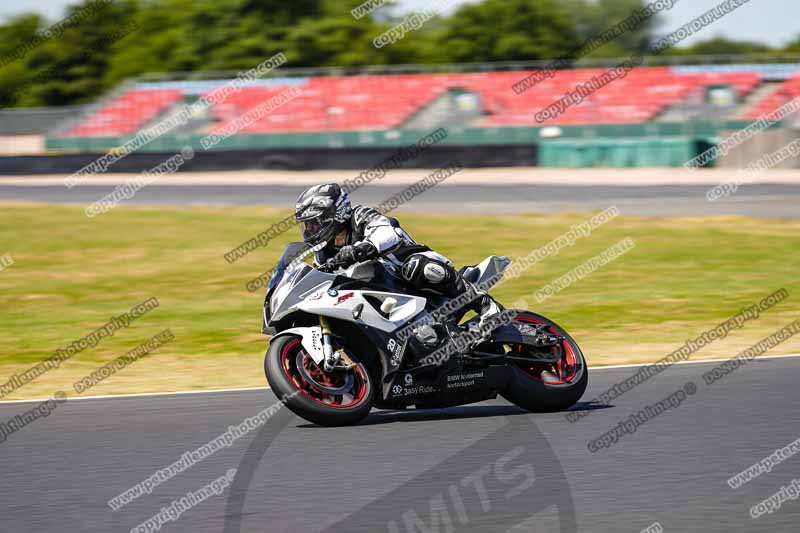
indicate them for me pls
(71, 274)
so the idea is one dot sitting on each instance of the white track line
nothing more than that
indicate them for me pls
(699, 361)
(405, 176)
(245, 389)
(140, 394)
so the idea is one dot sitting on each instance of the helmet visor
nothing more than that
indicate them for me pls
(314, 229)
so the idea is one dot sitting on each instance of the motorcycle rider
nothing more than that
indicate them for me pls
(355, 234)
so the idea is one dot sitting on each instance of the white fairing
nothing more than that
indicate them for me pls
(341, 304)
(363, 271)
(304, 289)
(491, 270)
(311, 341)
(344, 303)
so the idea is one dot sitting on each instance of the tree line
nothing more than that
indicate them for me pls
(116, 40)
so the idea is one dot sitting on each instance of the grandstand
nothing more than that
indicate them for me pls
(127, 113)
(788, 90)
(382, 102)
(654, 116)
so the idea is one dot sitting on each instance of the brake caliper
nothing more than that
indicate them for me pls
(536, 335)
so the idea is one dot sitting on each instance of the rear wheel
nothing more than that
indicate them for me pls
(547, 386)
(338, 398)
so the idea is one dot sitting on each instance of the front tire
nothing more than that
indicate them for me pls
(545, 388)
(320, 398)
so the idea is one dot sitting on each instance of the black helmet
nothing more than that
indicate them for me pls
(322, 211)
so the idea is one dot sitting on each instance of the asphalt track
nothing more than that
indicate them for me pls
(485, 467)
(771, 200)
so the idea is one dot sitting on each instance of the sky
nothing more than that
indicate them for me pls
(774, 22)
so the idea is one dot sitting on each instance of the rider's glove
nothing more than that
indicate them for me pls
(360, 251)
(346, 256)
(327, 267)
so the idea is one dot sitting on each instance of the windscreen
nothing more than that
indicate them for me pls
(292, 251)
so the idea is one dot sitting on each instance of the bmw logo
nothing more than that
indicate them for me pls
(332, 292)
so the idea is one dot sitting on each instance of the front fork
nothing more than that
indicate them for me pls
(332, 357)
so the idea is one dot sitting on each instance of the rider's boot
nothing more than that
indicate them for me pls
(487, 308)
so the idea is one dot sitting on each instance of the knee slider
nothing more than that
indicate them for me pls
(423, 271)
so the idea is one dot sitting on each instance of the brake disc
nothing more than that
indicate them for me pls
(333, 391)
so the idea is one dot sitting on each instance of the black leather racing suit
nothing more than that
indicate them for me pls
(419, 266)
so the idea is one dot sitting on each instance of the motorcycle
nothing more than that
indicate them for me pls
(347, 339)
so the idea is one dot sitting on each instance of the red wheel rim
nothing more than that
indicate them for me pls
(358, 391)
(565, 369)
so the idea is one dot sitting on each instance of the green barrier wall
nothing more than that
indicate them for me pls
(647, 144)
(605, 152)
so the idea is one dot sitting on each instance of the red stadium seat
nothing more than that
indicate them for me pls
(787, 91)
(380, 102)
(126, 114)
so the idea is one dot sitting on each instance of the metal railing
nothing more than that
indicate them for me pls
(500, 66)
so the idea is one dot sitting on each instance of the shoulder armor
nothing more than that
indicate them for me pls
(363, 214)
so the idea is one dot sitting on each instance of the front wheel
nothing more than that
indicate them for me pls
(339, 398)
(547, 387)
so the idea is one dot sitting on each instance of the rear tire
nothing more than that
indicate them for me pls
(302, 398)
(538, 394)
